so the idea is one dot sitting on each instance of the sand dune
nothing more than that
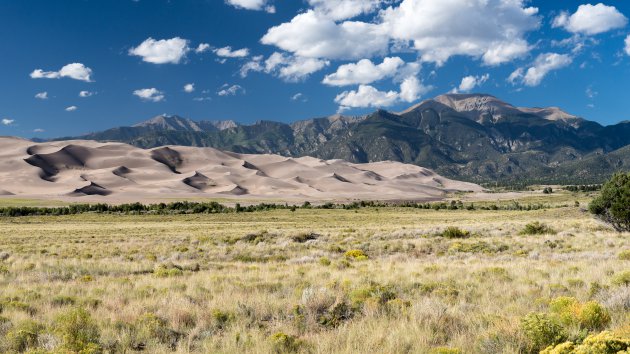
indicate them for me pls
(88, 170)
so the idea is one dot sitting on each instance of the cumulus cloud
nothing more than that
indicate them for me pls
(344, 9)
(150, 94)
(470, 82)
(202, 47)
(543, 65)
(189, 88)
(287, 67)
(257, 5)
(7, 121)
(71, 108)
(411, 89)
(76, 71)
(591, 19)
(627, 42)
(364, 72)
(42, 95)
(86, 94)
(313, 35)
(233, 90)
(162, 51)
(492, 30)
(227, 52)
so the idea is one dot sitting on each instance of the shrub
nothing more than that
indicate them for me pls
(607, 342)
(24, 336)
(62, 300)
(455, 232)
(590, 315)
(613, 204)
(357, 255)
(222, 318)
(325, 261)
(306, 236)
(593, 316)
(624, 255)
(542, 330)
(167, 270)
(77, 330)
(622, 278)
(150, 326)
(285, 343)
(537, 228)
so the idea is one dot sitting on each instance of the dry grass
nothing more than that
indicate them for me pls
(279, 281)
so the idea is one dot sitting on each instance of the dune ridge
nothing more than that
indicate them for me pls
(116, 171)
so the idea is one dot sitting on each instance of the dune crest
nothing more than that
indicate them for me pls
(115, 171)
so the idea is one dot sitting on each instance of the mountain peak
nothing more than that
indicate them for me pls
(169, 122)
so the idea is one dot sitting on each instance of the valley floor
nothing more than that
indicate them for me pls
(283, 281)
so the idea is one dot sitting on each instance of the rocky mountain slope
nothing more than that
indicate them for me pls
(474, 137)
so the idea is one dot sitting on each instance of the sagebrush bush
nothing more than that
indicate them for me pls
(542, 330)
(285, 343)
(77, 330)
(455, 232)
(589, 316)
(606, 342)
(537, 228)
(24, 336)
(621, 279)
(624, 255)
(167, 270)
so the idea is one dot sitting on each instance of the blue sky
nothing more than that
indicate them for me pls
(74, 66)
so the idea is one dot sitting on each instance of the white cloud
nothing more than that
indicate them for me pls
(150, 94)
(86, 94)
(490, 29)
(627, 47)
(7, 121)
(227, 90)
(313, 35)
(543, 65)
(299, 97)
(42, 95)
(344, 9)
(253, 65)
(470, 82)
(411, 89)
(202, 47)
(162, 51)
(591, 19)
(291, 68)
(366, 96)
(493, 30)
(71, 108)
(364, 72)
(258, 5)
(38, 130)
(227, 52)
(189, 88)
(75, 71)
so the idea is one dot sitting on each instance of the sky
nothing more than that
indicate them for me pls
(76, 66)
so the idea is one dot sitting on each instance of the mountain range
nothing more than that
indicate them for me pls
(472, 137)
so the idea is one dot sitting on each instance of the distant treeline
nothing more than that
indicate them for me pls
(583, 188)
(215, 208)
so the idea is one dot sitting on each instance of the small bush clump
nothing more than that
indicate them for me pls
(285, 343)
(606, 342)
(537, 228)
(621, 279)
(455, 232)
(24, 336)
(542, 330)
(624, 255)
(357, 255)
(167, 270)
(78, 331)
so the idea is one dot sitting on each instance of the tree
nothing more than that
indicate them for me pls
(613, 204)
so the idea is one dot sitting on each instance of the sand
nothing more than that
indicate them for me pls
(90, 171)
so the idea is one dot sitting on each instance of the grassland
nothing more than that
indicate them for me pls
(284, 281)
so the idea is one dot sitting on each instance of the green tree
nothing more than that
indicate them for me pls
(613, 204)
